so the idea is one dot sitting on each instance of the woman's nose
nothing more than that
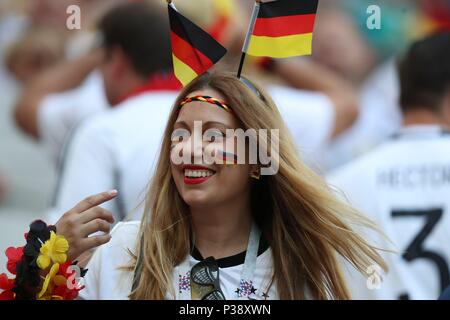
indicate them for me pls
(197, 148)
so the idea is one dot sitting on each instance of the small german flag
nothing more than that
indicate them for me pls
(283, 29)
(193, 50)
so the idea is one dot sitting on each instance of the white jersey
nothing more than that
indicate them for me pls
(107, 280)
(404, 186)
(379, 117)
(60, 113)
(310, 117)
(118, 148)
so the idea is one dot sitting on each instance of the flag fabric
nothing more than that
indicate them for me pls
(193, 50)
(223, 13)
(283, 28)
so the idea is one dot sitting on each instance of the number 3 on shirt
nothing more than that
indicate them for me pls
(415, 249)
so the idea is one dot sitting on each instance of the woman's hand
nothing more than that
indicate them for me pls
(85, 219)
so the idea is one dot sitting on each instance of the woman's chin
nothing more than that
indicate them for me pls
(198, 198)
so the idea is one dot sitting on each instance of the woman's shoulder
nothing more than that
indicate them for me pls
(109, 275)
(122, 246)
(124, 235)
(126, 230)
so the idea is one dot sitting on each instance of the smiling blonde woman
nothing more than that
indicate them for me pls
(218, 231)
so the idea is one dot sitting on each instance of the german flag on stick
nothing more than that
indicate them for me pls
(193, 50)
(283, 29)
(280, 29)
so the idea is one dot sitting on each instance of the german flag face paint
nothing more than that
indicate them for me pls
(227, 158)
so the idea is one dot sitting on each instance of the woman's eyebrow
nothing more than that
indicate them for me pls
(215, 124)
(180, 124)
(207, 125)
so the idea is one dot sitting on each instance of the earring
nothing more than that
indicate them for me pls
(256, 175)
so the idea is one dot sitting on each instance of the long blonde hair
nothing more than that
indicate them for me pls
(306, 226)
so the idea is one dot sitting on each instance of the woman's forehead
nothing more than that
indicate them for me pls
(204, 111)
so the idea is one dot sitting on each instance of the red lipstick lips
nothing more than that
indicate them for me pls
(191, 180)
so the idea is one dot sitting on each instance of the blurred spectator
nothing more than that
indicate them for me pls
(59, 98)
(117, 147)
(379, 117)
(56, 100)
(403, 185)
(339, 44)
(35, 51)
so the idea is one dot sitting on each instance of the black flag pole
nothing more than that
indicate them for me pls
(251, 27)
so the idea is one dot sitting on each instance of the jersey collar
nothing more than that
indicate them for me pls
(233, 260)
(421, 131)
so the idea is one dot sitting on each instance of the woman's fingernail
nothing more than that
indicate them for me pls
(112, 192)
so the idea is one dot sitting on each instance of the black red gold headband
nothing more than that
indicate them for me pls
(207, 99)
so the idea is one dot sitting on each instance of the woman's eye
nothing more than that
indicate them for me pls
(180, 135)
(213, 135)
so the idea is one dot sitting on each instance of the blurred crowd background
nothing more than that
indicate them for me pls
(34, 39)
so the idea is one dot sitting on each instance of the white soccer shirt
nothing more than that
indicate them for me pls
(60, 113)
(106, 280)
(310, 117)
(404, 186)
(379, 117)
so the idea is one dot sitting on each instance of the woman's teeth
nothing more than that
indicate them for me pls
(198, 173)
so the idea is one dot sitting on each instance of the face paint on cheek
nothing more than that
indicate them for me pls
(226, 158)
